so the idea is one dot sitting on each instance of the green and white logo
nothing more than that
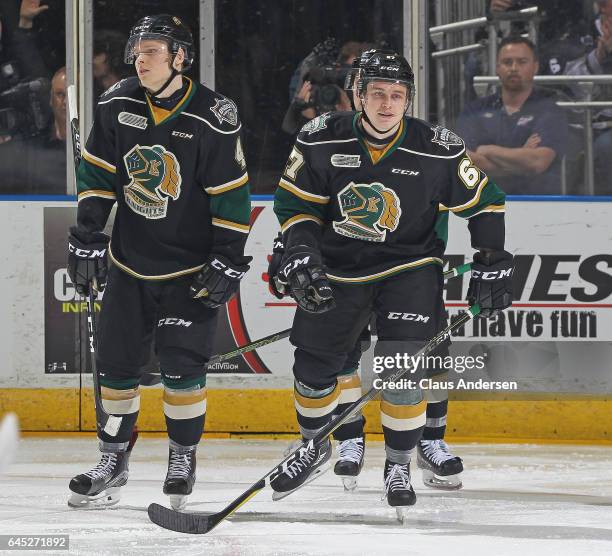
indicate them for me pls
(369, 211)
(155, 176)
(316, 124)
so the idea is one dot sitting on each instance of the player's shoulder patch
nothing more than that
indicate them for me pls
(328, 127)
(217, 110)
(126, 87)
(445, 137)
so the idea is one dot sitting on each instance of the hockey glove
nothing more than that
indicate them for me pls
(218, 280)
(491, 282)
(276, 287)
(87, 262)
(303, 273)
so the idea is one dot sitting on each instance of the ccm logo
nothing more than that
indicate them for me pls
(295, 264)
(181, 134)
(408, 316)
(492, 275)
(86, 253)
(404, 172)
(230, 272)
(174, 321)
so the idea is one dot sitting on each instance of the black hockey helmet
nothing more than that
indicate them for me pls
(385, 65)
(163, 27)
(358, 63)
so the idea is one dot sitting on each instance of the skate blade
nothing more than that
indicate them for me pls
(178, 502)
(449, 482)
(349, 483)
(104, 499)
(280, 495)
(402, 514)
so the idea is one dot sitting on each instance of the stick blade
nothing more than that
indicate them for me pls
(196, 524)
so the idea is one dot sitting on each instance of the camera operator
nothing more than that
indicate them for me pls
(322, 87)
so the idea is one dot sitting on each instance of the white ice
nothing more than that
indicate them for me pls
(517, 499)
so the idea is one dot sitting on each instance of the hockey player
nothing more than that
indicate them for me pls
(363, 206)
(168, 152)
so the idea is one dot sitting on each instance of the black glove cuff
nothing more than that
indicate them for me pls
(87, 238)
(299, 257)
(234, 272)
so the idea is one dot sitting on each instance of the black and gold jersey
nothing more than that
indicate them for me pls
(178, 176)
(377, 212)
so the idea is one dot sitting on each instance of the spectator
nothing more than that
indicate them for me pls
(322, 81)
(518, 135)
(599, 62)
(108, 65)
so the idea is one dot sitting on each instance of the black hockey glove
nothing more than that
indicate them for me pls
(491, 282)
(87, 263)
(276, 287)
(303, 273)
(218, 280)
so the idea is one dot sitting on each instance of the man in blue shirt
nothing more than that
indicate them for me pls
(517, 135)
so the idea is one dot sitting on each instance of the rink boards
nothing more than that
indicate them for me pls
(556, 340)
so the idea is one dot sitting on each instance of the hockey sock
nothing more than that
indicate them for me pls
(437, 409)
(350, 391)
(314, 407)
(185, 411)
(402, 426)
(124, 402)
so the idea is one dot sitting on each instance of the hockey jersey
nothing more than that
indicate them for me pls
(373, 213)
(178, 176)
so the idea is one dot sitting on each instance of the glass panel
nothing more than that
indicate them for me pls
(32, 98)
(259, 48)
(553, 148)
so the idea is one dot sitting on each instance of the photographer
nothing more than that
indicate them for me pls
(322, 86)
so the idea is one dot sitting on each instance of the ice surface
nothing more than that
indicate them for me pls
(517, 499)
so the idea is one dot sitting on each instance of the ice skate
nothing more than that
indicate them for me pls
(440, 468)
(398, 490)
(350, 461)
(100, 487)
(181, 476)
(305, 466)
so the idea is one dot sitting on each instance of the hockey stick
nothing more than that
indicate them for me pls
(200, 523)
(104, 422)
(150, 379)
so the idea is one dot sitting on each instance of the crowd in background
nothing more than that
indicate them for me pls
(516, 132)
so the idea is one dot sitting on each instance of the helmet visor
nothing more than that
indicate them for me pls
(134, 46)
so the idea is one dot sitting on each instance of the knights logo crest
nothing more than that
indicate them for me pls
(446, 137)
(369, 212)
(316, 124)
(155, 177)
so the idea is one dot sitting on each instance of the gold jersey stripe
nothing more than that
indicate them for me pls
(244, 228)
(295, 190)
(384, 273)
(96, 193)
(403, 411)
(113, 394)
(474, 200)
(99, 162)
(490, 208)
(131, 272)
(215, 190)
(317, 402)
(184, 398)
(300, 218)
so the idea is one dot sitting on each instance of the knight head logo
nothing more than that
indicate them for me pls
(369, 211)
(155, 177)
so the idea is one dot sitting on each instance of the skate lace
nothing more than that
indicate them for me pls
(104, 468)
(305, 458)
(351, 449)
(179, 465)
(436, 450)
(398, 478)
